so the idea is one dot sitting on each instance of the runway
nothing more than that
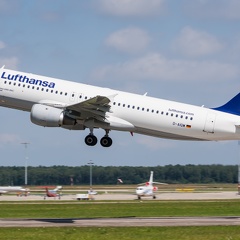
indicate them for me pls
(130, 196)
(123, 222)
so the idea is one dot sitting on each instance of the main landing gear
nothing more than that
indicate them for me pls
(105, 141)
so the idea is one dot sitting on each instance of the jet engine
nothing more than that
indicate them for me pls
(48, 116)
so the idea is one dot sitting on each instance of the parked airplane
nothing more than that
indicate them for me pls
(53, 193)
(148, 189)
(13, 189)
(58, 103)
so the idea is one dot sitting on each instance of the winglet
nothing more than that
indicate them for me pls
(111, 97)
(233, 106)
(3, 66)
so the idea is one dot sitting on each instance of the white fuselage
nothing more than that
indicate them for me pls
(145, 191)
(12, 189)
(146, 115)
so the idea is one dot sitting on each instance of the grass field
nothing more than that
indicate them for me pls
(56, 209)
(75, 209)
(129, 233)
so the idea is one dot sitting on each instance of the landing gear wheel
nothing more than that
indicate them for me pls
(91, 140)
(106, 141)
(154, 197)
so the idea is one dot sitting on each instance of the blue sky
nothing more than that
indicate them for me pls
(186, 51)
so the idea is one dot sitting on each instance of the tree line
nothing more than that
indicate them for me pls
(65, 175)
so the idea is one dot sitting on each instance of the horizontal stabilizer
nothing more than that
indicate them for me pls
(160, 183)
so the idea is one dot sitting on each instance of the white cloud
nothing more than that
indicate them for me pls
(7, 6)
(2, 45)
(224, 9)
(126, 8)
(129, 40)
(156, 67)
(193, 43)
(10, 62)
(9, 138)
(4, 4)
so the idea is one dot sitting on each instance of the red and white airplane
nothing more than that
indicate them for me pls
(53, 193)
(57, 103)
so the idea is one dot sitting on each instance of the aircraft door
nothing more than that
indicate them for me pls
(210, 123)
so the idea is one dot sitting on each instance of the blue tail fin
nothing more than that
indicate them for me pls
(233, 106)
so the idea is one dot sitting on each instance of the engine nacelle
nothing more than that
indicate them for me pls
(48, 116)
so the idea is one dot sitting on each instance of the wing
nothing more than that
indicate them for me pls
(92, 112)
(95, 107)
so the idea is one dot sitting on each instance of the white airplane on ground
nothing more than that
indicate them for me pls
(148, 189)
(12, 189)
(58, 103)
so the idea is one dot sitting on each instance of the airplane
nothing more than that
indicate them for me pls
(58, 103)
(148, 189)
(53, 193)
(4, 189)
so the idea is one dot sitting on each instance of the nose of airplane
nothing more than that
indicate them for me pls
(139, 191)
